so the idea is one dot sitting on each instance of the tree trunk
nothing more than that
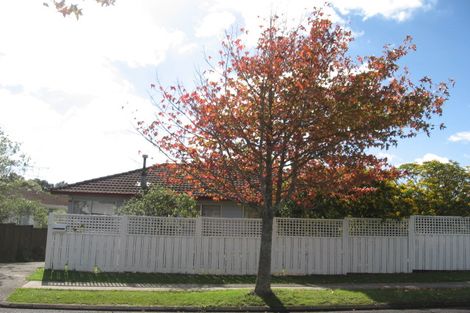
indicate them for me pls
(263, 280)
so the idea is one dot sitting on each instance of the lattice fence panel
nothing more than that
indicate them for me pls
(161, 226)
(291, 227)
(442, 225)
(95, 224)
(378, 227)
(231, 227)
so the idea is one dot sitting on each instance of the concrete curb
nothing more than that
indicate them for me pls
(461, 305)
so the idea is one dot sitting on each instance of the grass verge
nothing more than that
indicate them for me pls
(158, 278)
(242, 297)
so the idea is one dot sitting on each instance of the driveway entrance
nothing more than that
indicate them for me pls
(12, 276)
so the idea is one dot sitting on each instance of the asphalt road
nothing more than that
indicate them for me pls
(3, 310)
(12, 276)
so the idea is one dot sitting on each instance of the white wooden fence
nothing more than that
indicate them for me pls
(231, 246)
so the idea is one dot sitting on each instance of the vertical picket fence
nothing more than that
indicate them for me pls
(231, 245)
(378, 246)
(442, 243)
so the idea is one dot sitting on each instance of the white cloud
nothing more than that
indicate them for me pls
(390, 157)
(294, 11)
(87, 141)
(253, 12)
(63, 82)
(62, 88)
(47, 51)
(461, 136)
(214, 24)
(187, 48)
(431, 157)
(399, 10)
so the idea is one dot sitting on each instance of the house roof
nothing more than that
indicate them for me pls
(45, 198)
(128, 183)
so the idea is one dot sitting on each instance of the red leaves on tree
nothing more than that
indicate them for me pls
(294, 116)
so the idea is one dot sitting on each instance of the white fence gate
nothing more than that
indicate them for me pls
(231, 246)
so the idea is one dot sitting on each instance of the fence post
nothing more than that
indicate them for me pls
(274, 246)
(123, 234)
(198, 230)
(198, 254)
(198, 245)
(346, 259)
(49, 242)
(411, 242)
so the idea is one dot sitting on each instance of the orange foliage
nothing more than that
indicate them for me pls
(293, 116)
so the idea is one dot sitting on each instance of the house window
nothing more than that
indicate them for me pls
(99, 207)
(211, 210)
(103, 207)
(82, 207)
(249, 212)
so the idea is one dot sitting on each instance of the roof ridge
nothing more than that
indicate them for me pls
(124, 183)
(108, 176)
(95, 179)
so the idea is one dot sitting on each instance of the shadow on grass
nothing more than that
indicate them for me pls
(143, 278)
(309, 280)
(274, 303)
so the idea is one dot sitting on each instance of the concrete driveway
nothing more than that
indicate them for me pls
(12, 276)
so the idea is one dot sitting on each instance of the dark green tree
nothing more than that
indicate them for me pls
(13, 205)
(437, 188)
(387, 199)
(431, 188)
(12, 161)
(159, 201)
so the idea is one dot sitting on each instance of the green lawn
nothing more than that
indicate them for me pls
(156, 278)
(242, 297)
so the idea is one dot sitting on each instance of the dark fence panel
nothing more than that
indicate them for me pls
(22, 243)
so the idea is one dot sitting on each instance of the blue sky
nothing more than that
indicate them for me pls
(442, 39)
(64, 83)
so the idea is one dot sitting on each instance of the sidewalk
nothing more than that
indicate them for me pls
(199, 287)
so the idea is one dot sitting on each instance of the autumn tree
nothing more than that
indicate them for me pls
(67, 8)
(289, 118)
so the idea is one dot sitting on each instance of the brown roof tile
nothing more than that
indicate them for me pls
(45, 198)
(128, 183)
